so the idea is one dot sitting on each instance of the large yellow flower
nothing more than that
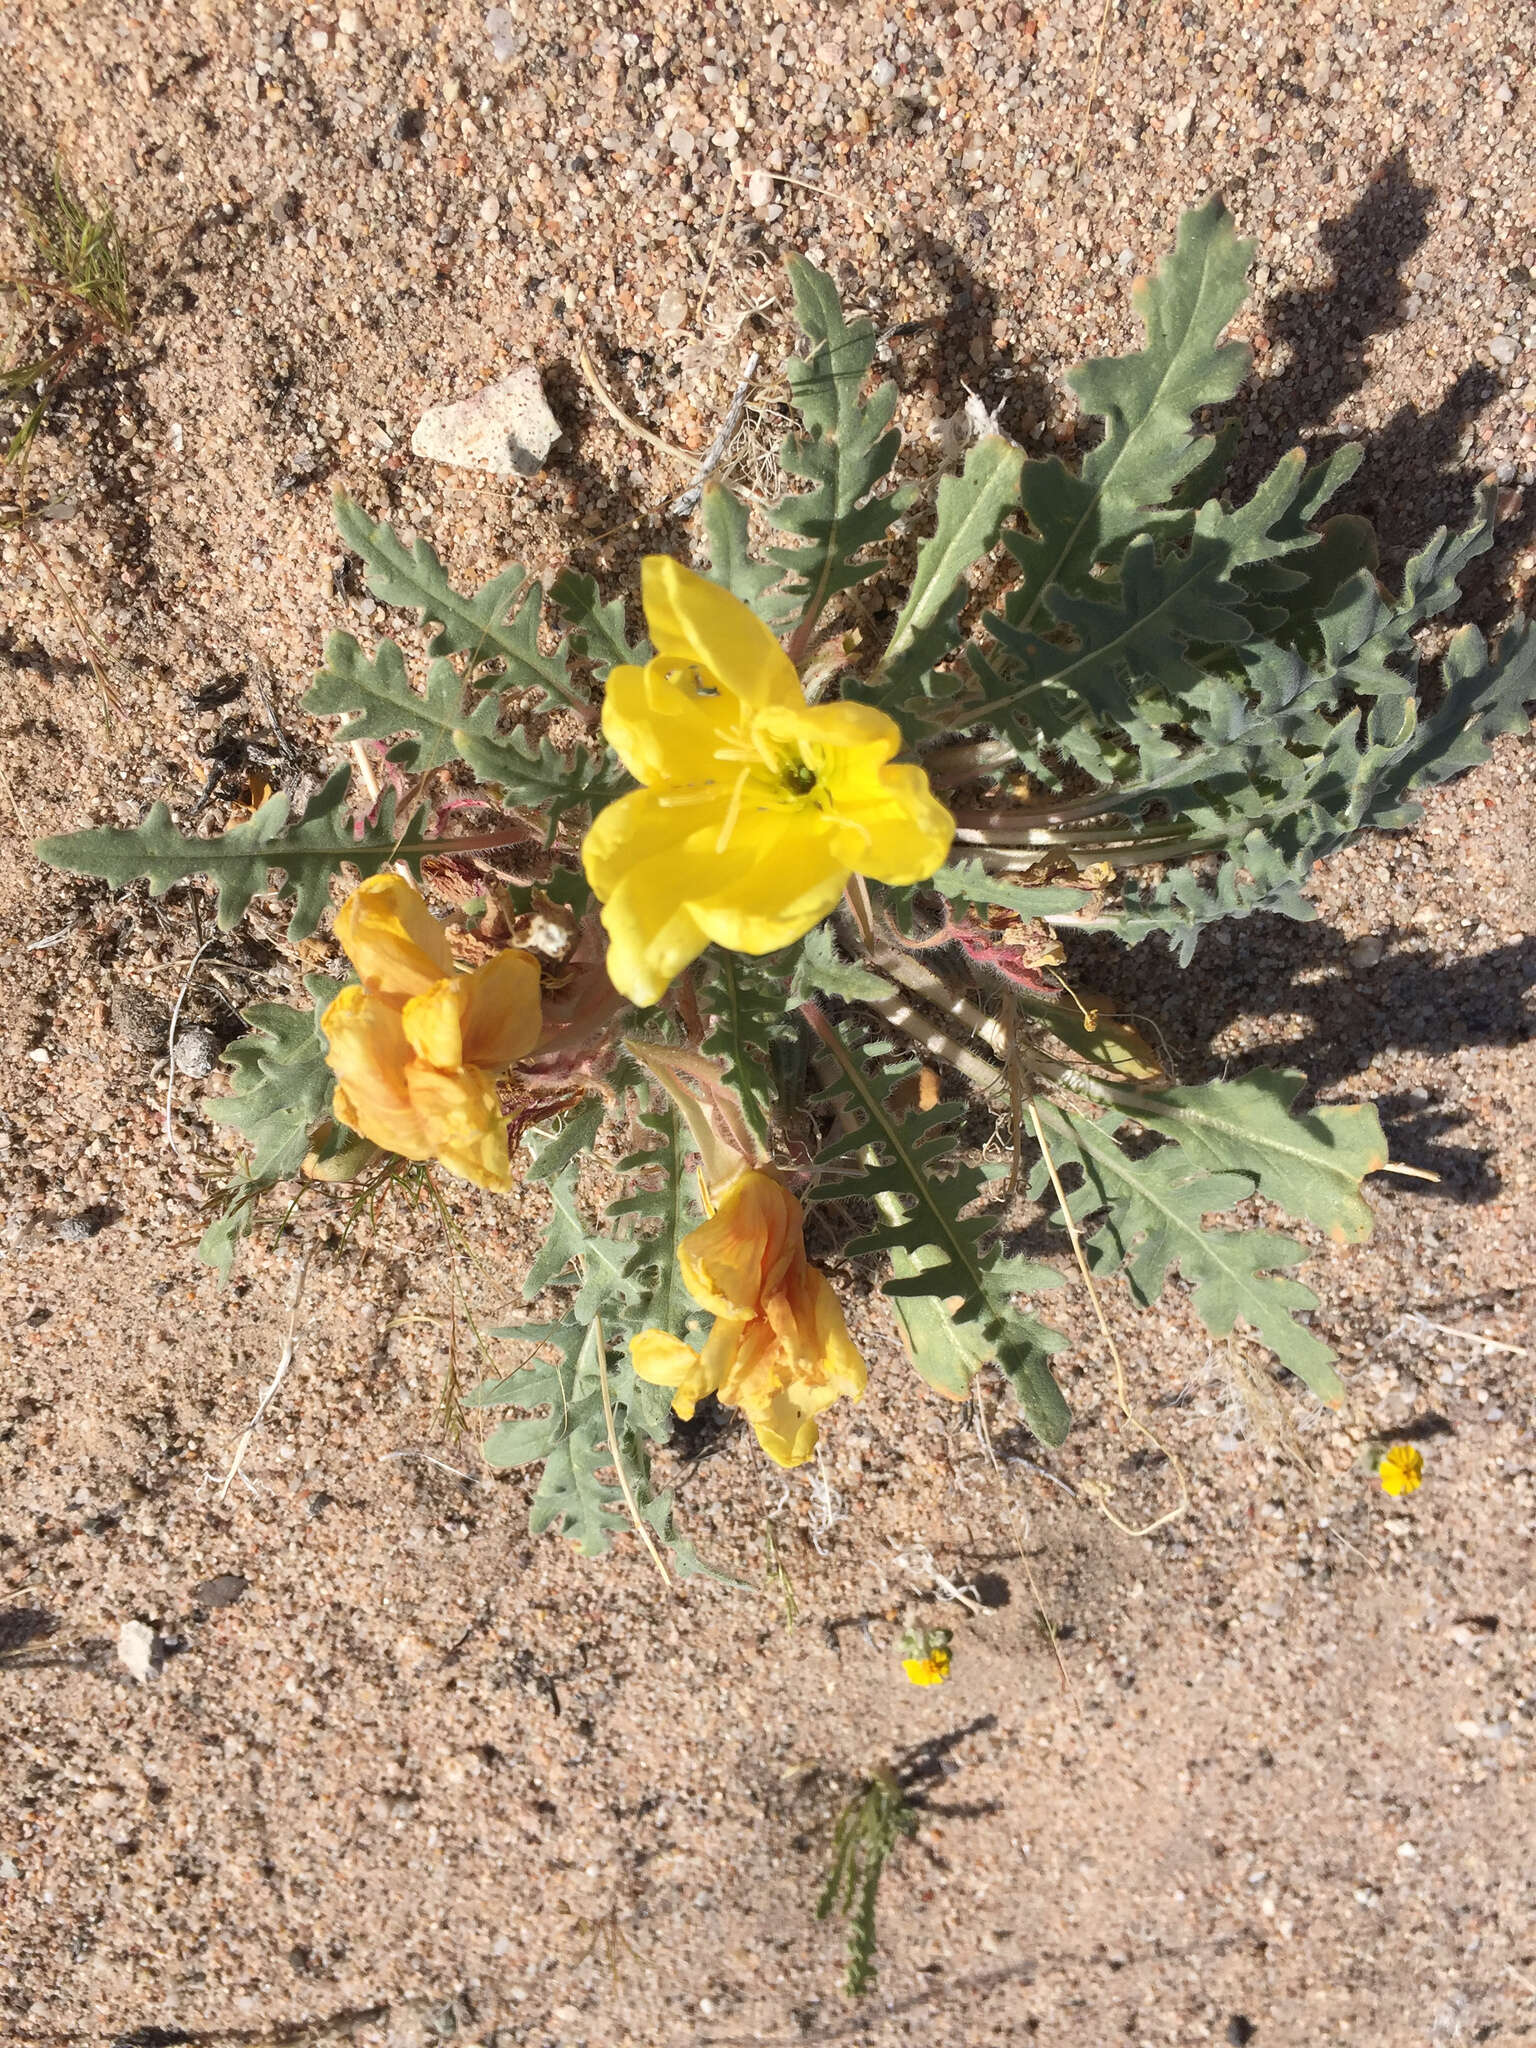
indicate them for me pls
(755, 808)
(780, 1350)
(416, 1047)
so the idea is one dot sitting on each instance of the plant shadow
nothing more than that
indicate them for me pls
(1409, 1001)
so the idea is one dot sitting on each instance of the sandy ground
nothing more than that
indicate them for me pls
(405, 1775)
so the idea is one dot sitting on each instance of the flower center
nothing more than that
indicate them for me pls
(798, 777)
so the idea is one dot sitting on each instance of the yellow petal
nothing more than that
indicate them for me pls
(785, 877)
(665, 1361)
(366, 1050)
(392, 939)
(886, 822)
(694, 619)
(433, 1024)
(502, 1011)
(897, 831)
(644, 857)
(463, 1123)
(745, 1248)
(665, 728)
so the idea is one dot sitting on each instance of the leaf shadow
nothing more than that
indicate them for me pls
(1338, 1017)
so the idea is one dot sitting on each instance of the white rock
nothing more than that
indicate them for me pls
(671, 310)
(507, 429)
(760, 188)
(138, 1648)
(882, 72)
(1503, 348)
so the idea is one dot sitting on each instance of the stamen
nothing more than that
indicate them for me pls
(733, 812)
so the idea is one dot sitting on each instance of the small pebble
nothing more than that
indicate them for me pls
(140, 1019)
(140, 1650)
(1367, 952)
(350, 21)
(507, 429)
(882, 72)
(671, 310)
(222, 1591)
(197, 1051)
(1503, 349)
(87, 1224)
(490, 210)
(760, 188)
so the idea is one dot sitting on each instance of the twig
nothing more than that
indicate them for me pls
(612, 407)
(618, 1456)
(1093, 1490)
(469, 1478)
(1468, 1336)
(53, 939)
(1093, 90)
(268, 1392)
(714, 253)
(170, 1038)
(682, 505)
(364, 767)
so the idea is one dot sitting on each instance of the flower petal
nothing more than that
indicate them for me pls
(744, 1249)
(643, 857)
(392, 939)
(693, 619)
(366, 1050)
(664, 728)
(433, 1024)
(896, 831)
(503, 1015)
(664, 1361)
(785, 878)
(463, 1122)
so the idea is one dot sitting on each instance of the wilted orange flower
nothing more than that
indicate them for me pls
(780, 1350)
(1401, 1469)
(415, 1048)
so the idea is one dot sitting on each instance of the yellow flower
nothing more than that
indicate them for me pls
(1401, 1470)
(929, 1670)
(416, 1047)
(780, 1350)
(755, 808)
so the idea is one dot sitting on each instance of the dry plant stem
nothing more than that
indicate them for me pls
(1182, 1504)
(615, 411)
(714, 454)
(714, 252)
(170, 1039)
(947, 767)
(269, 1392)
(618, 1460)
(984, 1437)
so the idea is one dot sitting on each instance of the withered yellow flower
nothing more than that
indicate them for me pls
(755, 808)
(780, 1350)
(1401, 1469)
(416, 1045)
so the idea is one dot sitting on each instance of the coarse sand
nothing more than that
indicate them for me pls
(346, 1756)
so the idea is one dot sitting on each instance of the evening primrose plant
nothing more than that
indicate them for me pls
(771, 913)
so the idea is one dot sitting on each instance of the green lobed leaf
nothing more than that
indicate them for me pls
(971, 509)
(485, 626)
(1155, 1219)
(596, 630)
(730, 561)
(846, 450)
(1147, 401)
(909, 1167)
(1309, 1165)
(241, 860)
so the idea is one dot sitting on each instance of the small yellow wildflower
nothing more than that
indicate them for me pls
(927, 1670)
(416, 1047)
(779, 1350)
(755, 807)
(925, 1655)
(1401, 1470)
